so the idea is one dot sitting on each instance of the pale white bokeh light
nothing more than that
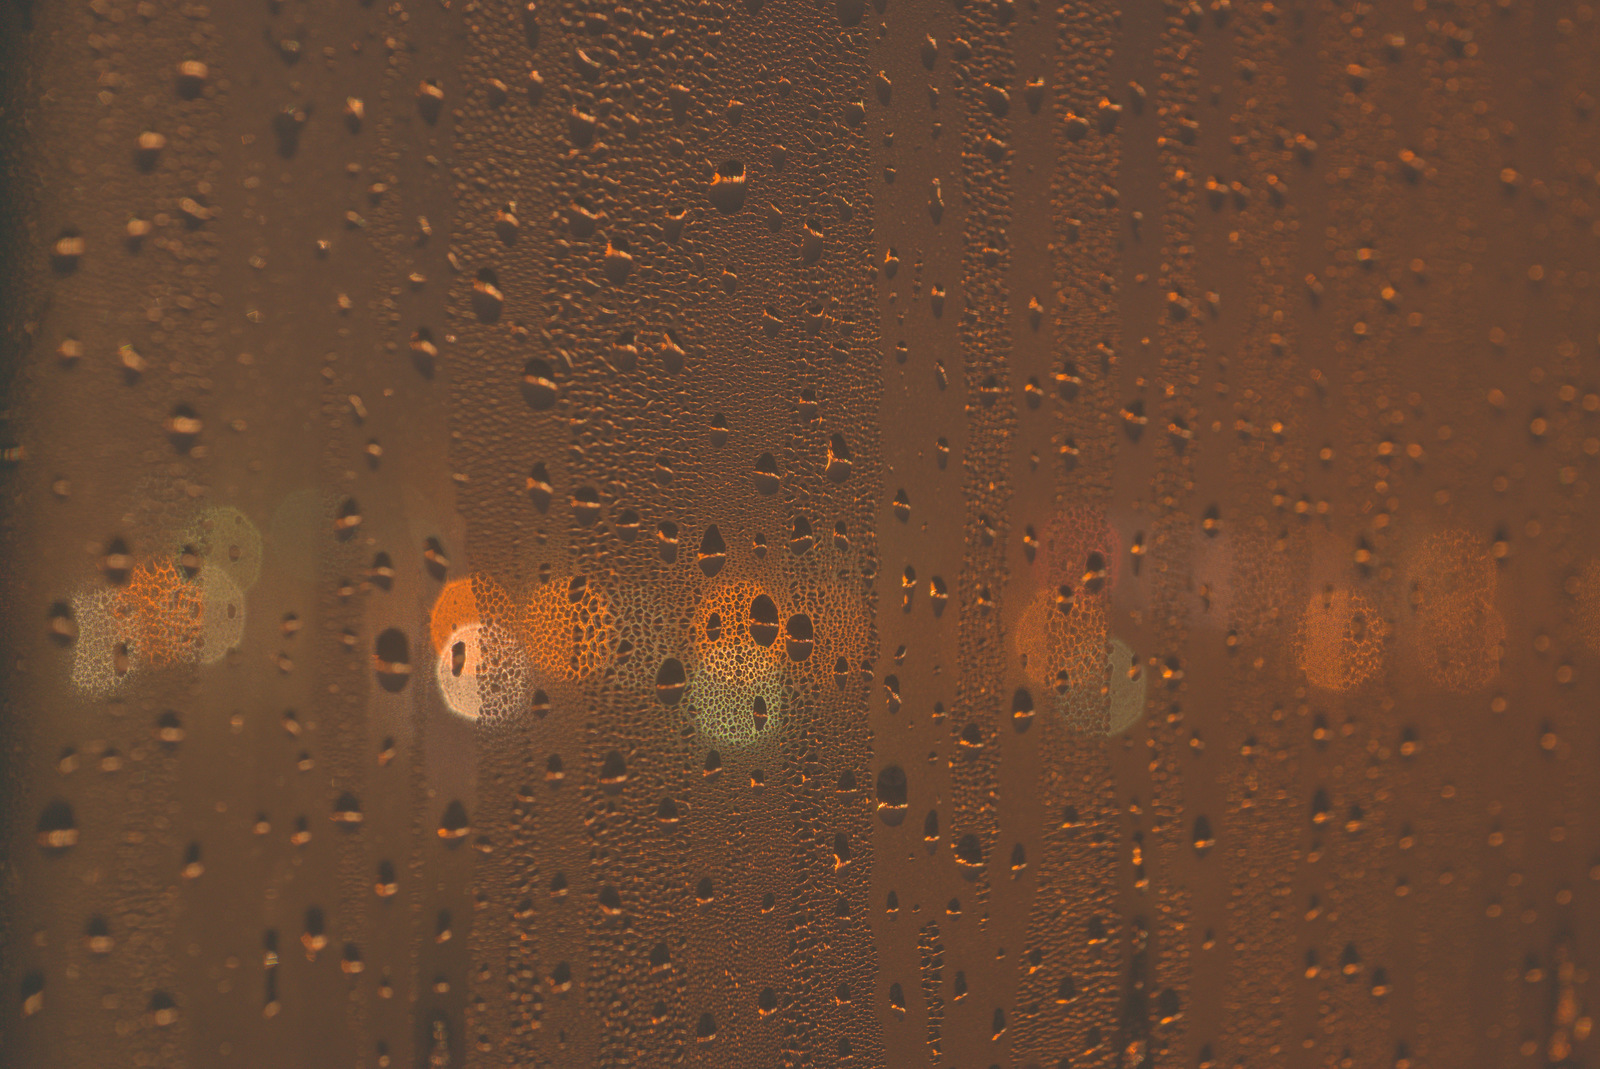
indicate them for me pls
(1127, 687)
(230, 543)
(104, 655)
(1114, 701)
(221, 615)
(483, 672)
(723, 692)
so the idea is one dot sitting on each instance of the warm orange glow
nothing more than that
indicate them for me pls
(568, 628)
(740, 659)
(737, 687)
(1063, 652)
(1452, 565)
(456, 607)
(1341, 640)
(1460, 633)
(165, 611)
(1081, 550)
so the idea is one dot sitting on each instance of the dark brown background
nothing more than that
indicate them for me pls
(1341, 259)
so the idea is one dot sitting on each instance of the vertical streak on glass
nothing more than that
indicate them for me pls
(1066, 1005)
(1239, 664)
(986, 92)
(664, 306)
(985, 88)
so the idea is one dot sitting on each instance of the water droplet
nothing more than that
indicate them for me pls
(727, 189)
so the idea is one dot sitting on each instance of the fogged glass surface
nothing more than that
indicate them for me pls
(800, 533)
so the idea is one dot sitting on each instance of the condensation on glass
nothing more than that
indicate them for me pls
(801, 533)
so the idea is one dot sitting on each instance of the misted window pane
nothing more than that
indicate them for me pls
(809, 533)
